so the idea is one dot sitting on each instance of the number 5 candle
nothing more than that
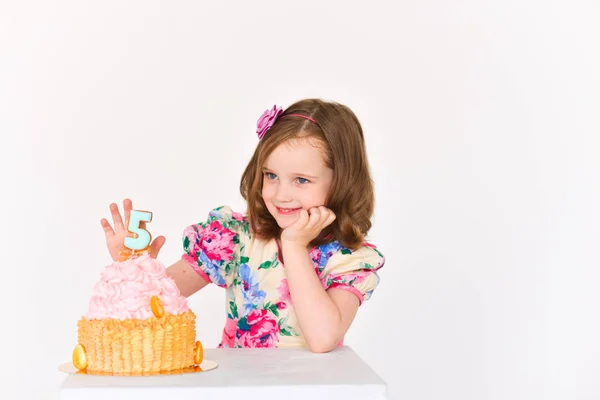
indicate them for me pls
(142, 237)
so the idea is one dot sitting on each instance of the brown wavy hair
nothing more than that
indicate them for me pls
(340, 136)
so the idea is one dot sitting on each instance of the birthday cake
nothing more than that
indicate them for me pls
(138, 323)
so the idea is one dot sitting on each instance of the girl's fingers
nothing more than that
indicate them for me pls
(156, 246)
(315, 217)
(116, 216)
(327, 216)
(330, 219)
(127, 207)
(302, 220)
(108, 230)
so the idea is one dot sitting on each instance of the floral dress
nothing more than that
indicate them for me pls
(260, 312)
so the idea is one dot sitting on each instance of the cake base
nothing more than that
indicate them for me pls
(207, 365)
(138, 347)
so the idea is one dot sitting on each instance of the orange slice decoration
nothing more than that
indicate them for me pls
(157, 308)
(198, 353)
(79, 357)
(125, 253)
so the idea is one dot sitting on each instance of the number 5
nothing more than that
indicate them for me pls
(143, 237)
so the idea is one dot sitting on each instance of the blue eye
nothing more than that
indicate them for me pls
(270, 175)
(302, 180)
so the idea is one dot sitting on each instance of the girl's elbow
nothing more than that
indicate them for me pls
(318, 349)
(322, 346)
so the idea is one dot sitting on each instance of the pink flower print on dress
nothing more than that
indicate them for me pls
(266, 120)
(237, 216)
(315, 255)
(258, 329)
(217, 242)
(228, 338)
(284, 291)
(191, 235)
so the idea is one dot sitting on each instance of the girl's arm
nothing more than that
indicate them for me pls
(324, 316)
(186, 279)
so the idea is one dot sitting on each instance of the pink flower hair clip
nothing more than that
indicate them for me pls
(266, 120)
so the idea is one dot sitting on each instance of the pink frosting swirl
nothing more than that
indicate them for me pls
(126, 288)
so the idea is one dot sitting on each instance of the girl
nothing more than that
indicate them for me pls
(296, 266)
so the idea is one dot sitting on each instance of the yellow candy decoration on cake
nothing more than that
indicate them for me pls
(138, 323)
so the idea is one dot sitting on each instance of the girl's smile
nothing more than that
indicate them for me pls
(288, 211)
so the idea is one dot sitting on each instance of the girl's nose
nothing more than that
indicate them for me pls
(283, 194)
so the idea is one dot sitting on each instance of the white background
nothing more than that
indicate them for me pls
(481, 120)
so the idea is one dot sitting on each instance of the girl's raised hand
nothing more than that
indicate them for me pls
(115, 238)
(308, 226)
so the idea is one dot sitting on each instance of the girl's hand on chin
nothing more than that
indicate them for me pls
(308, 226)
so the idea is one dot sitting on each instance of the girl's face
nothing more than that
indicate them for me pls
(295, 177)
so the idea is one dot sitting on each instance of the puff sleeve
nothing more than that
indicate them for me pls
(354, 271)
(212, 248)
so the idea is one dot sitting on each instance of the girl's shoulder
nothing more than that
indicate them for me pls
(355, 270)
(222, 218)
(225, 214)
(213, 246)
(368, 256)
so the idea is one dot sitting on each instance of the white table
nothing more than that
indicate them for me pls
(245, 373)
